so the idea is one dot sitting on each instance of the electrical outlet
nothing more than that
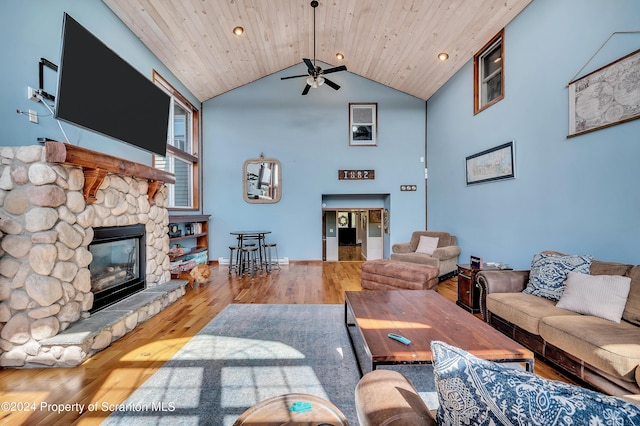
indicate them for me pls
(32, 94)
(33, 116)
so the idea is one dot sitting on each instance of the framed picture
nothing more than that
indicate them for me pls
(363, 124)
(375, 216)
(493, 164)
(605, 97)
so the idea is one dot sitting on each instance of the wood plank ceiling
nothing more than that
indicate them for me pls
(392, 42)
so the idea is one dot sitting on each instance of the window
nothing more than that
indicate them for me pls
(182, 149)
(363, 120)
(489, 74)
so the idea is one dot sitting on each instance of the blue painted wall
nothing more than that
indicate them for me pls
(576, 195)
(309, 135)
(31, 30)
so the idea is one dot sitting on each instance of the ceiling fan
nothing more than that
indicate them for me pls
(315, 74)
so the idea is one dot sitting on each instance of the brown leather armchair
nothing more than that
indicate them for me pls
(444, 257)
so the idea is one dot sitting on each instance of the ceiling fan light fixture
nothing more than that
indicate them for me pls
(238, 31)
(443, 56)
(314, 77)
(312, 82)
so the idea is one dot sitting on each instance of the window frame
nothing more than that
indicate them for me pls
(174, 152)
(479, 80)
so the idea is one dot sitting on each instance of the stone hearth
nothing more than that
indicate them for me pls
(46, 226)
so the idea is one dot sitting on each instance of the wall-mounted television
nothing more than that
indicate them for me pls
(100, 91)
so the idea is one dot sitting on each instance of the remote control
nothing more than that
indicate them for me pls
(300, 407)
(399, 338)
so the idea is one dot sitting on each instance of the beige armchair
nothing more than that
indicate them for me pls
(444, 256)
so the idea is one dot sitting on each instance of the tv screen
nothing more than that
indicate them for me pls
(100, 91)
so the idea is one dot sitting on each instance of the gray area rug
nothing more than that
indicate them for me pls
(248, 353)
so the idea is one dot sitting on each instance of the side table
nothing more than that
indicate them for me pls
(468, 290)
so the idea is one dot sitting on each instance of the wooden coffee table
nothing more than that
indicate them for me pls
(421, 316)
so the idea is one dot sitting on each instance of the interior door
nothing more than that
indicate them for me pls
(324, 235)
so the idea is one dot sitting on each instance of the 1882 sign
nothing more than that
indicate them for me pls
(356, 174)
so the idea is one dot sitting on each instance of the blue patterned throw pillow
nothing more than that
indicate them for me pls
(473, 391)
(549, 273)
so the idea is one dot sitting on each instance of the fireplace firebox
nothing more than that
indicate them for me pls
(118, 265)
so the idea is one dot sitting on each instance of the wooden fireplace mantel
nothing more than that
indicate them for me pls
(96, 165)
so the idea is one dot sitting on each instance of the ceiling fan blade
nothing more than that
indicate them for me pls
(331, 84)
(336, 69)
(306, 90)
(294, 76)
(309, 64)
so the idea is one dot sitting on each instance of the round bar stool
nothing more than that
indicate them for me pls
(269, 260)
(255, 241)
(233, 260)
(248, 260)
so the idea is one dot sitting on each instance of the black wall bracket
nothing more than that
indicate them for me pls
(45, 63)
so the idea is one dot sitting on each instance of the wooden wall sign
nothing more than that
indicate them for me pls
(356, 174)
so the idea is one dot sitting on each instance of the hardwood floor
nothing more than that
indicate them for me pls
(36, 396)
(350, 253)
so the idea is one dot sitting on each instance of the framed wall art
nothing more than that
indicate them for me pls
(375, 216)
(493, 164)
(606, 97)
(363, 124)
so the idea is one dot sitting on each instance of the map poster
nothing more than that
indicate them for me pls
(605, 97)
(491, 165)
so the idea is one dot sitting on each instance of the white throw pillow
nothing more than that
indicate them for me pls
(427, 245)
(602, 296)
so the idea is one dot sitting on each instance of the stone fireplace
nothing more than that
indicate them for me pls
(52, 267)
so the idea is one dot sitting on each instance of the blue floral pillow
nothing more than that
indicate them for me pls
(479, 392)
(549, 272)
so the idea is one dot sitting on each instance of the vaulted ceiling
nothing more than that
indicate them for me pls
(392, 42)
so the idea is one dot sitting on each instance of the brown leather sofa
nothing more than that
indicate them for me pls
(386, 397)
(602, 353)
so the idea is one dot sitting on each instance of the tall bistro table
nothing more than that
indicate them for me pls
(421, 316)
(252, 235)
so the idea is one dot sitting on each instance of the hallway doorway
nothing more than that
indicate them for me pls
(352, 234)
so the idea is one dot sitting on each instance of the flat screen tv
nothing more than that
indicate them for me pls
(99, 91)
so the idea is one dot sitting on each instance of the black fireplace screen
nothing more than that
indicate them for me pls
(118, 264)
(114, 263)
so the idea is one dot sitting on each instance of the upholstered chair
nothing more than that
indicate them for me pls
(442, 253)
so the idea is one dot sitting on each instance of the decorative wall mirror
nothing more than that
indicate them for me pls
(262, 180)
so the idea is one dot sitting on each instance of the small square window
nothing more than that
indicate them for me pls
(489, 74)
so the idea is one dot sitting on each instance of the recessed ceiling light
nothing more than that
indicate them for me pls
(340, 56)
(443, 56)
(238, 31)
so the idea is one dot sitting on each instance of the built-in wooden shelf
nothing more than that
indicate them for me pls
(96, 165)
(201, 239)
(182, 256)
